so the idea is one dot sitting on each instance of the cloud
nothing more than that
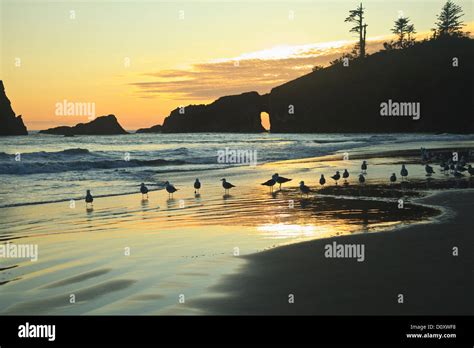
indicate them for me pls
(255, 71)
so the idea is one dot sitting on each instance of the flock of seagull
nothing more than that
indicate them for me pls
(454, 167)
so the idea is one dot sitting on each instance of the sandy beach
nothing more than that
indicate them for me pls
(416, 261)
(226, 254)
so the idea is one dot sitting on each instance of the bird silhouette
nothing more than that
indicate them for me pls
(345, 175)
(322, 180)
(226, 185)
(429, 170)
(144, 190)
(404, 172)
(336, 176)
(89, 198)
(170, 189)
(197, 186)
(304, 190)
(270, 183)
(393, 178)
(280, 179)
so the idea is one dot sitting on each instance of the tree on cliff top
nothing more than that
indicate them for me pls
(357, 17)
(449, 21)
(405, 31)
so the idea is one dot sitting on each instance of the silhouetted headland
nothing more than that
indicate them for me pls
(9, 123)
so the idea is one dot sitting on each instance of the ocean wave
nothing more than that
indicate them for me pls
(42, 154)
(25, 167)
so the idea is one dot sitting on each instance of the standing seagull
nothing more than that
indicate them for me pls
(226, 185)
(429, 170)
(336, 176)
(322, 181)
(270, 183)
(361, 179)
(345, 175)
(144, 190)
(170, 189)
(393, 178)
(403, 172)
(89, 198)
(197, 186)
(363, 167)
(305, 190)
(280, 179)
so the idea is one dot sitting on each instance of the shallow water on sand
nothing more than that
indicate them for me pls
(130, 256)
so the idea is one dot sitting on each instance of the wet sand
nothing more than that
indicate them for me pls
(416, 261)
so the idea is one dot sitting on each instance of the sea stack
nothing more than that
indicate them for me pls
(9, 123)
(153, 129)
(234, 113)
(102, 125)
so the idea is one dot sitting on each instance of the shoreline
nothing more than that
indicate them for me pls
(431, 280)
(186, 245)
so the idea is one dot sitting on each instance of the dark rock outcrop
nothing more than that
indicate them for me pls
(9, 123)
(348, 99)
(235, 113)
(154, 129)
(103, 125)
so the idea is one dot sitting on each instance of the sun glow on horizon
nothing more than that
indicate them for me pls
(173, 61)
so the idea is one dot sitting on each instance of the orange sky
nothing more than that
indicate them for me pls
(139, 60)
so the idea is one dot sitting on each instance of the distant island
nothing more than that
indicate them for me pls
(103, 125)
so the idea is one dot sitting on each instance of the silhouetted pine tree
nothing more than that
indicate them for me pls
(405, 31)
(357, 17)
(448, 21)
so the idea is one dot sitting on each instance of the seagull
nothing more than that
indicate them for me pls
(304, 189)
(280, 179)
(404, 172)
(170, 189)
(322, 181)
(345, 175)
(361, 179)
(470, 170)
(270, 183)
(227, 186)
(89, 198)
(197, 186)
(393, 178)
(363, 167)
(336, 176)
(144, 190)
(429, 170)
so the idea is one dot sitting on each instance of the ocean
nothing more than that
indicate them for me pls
(45, 168)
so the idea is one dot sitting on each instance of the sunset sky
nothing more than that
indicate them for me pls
(141, 59)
